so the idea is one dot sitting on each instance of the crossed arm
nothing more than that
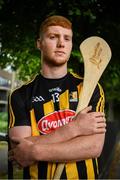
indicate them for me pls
(81, 139)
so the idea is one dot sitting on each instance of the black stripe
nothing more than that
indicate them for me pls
(63, 176)
(95, 168)
(82, 171)
(26, 173)
(42, 170)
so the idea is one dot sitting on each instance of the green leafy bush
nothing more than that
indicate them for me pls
(3, 122)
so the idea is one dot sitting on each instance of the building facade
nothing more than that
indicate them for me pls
(5, 87)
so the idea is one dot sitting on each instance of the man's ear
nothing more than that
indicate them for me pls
(38, 44)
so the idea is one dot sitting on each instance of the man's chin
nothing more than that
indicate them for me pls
(60, 62)
(57, 62)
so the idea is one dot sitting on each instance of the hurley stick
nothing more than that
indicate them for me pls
(96, 55)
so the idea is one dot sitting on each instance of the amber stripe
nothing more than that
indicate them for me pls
(64, 100)
(90, 169)
(49, 108)
(71, 171)
(34, 168)
(12, 116)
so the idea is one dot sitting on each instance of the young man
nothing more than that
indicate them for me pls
(42, 114)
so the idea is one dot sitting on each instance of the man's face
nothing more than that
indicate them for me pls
(56, 45)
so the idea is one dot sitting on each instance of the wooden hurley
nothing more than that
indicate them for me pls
(96, 55)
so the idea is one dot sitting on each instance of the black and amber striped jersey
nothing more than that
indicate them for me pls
(45, 105)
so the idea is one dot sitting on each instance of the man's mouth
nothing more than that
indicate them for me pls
(59, 52)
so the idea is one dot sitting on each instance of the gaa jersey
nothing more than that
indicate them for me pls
(45, 105)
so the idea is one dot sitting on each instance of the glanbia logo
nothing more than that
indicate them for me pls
(55, 120)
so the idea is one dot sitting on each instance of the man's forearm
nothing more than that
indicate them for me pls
(64, 133)
(83, 124)
(79, 148)
(74, 149)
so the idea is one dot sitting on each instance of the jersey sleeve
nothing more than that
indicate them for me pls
(98, 99)
(18, 113)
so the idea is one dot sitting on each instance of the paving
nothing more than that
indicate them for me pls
(3, 158)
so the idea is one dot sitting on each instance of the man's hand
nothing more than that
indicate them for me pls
(88, 123)
(23, 153)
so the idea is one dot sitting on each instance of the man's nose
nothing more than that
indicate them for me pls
(60, 42)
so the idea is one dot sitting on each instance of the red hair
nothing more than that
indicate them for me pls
(54, 21)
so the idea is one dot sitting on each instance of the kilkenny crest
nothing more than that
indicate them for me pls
(96, 59)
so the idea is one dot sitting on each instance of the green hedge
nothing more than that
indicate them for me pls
(3, 122)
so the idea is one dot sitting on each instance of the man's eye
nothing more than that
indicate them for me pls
(52, 37)
(67, 38)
